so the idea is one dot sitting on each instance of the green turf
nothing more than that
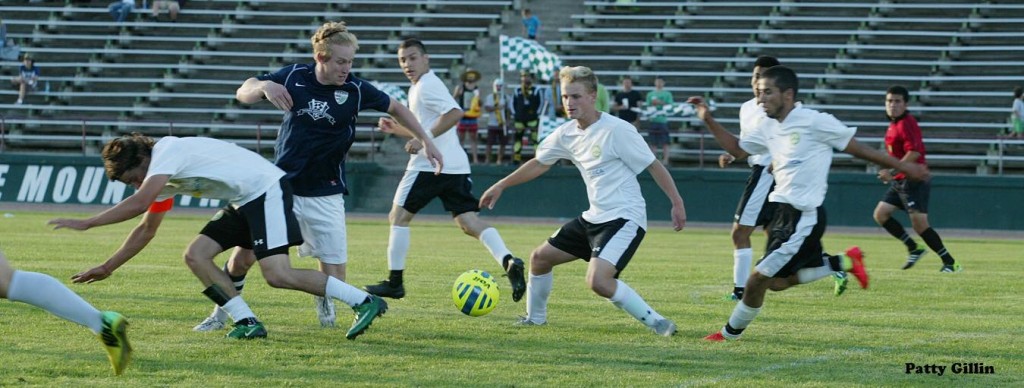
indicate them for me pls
(804, 336)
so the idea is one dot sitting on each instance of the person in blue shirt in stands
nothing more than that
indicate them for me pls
(321, 101)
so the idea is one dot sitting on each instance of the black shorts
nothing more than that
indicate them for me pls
(266, 224)
(754, 208)
(909, 195)
(418, 188)
(794, 241)
(614, 241)
(657, 134)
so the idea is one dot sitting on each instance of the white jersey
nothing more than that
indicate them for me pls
(1018, 108)
(801, 151)
(751, 115)
(609, 154)
(428, 100)
(211, 168)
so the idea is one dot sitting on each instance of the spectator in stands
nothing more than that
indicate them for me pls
(607, 234)
(27, 79)
(531, 24)
(1018, 113)
(467, 94)
(171, 6)
(903, 140)
(657, 132)
(120, 10)
(627, 101)
(526, 105)
(801, 163)
(9, 51)
(437, 110)
(322, 101)
(495, 105)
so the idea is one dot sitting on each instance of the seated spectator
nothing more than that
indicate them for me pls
(120, 9)
(171, 6)
(27, 78)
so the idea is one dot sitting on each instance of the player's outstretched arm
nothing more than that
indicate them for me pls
(254, 90)
(139, 237)
(525, 173)
(407, 126)
(131, 207)
(914, 171)
(668, 186)
(729, 142)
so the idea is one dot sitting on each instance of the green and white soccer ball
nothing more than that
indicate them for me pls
(475, 293)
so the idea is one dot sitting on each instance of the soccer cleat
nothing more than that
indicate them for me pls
(951, 268)
(114, 337)
(250, 330)
(913, 257)
(841, 280)
(524, 322)
(732, 297)
(715, 337)
(516, 275)
(664, 328)
(385, 289)
(372, 308)
(857, 270)
(325, 311)
(209, 324)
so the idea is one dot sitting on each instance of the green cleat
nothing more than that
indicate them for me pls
(841, 279)
(951, 268)
(114, 337)
(248, 328)
(372, 308)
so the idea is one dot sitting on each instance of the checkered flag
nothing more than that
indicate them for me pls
(682, 109)
(395, 92)
(526, 54)
(548, 125)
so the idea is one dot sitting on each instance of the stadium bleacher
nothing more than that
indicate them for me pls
(959, 59)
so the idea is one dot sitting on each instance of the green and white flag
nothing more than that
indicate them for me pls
(682, 109)
(395, 92)
(526, 54)
(548, 125)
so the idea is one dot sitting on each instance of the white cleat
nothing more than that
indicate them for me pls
(209, 324)
(325, 311)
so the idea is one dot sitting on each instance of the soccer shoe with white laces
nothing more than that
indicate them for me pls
(209, 324)
(325, 311)
(913, 257)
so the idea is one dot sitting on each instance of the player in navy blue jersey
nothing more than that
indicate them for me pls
(321, 101)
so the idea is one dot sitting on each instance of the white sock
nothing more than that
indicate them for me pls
(537, 292)
(398, 247)
(344, 292)
(741, 259)
(238, 309)
(741, 317)
(628, 300)
(492, 240)
(807, 275)
(47, 293)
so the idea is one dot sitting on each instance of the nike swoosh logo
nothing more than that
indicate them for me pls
(300, 85)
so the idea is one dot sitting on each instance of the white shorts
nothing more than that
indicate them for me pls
(322, 222)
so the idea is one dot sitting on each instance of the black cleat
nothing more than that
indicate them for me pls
(385, 289)
(516, 275)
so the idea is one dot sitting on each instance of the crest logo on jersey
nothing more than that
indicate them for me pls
(794, 138)
(318, 110)
(340, 96)
(595, 151)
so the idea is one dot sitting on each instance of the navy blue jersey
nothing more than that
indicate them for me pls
(319, 130)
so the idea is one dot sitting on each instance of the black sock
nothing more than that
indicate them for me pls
(836, 263)
(729, 329)
(934, 242)
(896, 230)
(239, 281)
(395, 277)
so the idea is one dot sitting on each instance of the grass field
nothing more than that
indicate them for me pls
(803, 337)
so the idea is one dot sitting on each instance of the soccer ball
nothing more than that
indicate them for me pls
(475, 293)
